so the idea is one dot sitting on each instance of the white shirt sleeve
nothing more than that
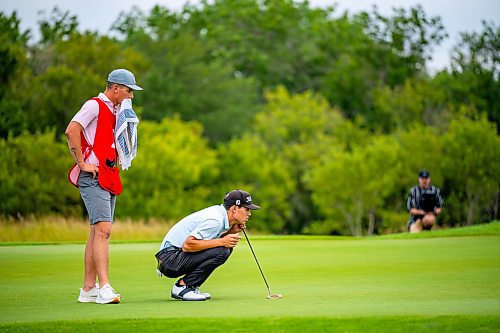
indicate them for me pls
(208, 229)
(88, 114)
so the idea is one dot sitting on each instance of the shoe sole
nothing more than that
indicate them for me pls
(87, 300)
(187, 300)
(115, 300)
(174, 296)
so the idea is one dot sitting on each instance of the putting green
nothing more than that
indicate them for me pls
(424, 284)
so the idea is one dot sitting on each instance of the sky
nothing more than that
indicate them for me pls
(457, 15)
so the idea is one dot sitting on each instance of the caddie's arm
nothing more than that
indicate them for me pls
(192, 244)
(75, 147)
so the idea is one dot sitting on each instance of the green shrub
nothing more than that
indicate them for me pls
(33, 176)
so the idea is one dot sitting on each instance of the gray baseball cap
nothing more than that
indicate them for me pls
(125, 77)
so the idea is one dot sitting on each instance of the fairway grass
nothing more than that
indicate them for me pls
(447, 284)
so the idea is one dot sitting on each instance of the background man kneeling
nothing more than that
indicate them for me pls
(424, 204)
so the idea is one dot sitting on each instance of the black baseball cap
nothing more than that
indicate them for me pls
(239, 198)
(423, 173)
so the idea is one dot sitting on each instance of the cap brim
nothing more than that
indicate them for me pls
(134, 87)
(252, 207)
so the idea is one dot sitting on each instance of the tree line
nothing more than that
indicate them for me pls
(324, 117)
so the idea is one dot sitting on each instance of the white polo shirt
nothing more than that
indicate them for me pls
(208, 223)
(87, 117)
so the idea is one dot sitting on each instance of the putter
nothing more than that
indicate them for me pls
(270, 296)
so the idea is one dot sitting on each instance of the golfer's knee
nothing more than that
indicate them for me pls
(103, 230)
(223, 254)
(429, 220)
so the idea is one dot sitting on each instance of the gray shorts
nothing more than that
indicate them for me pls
(100, 203)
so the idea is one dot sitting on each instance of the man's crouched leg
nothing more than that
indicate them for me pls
(210, 260)
(428, 221)
(196, 266)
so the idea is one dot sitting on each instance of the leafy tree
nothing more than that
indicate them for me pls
(409, 35)
(416, 102)
(474, 76)
(303, 128)
(183, 79)
(173, 173)
(59, 26)
(13, 61)
(71, 71)
(275, 41)
(420, 147)
(472, 161)
(33, 180)
(372, 52)
(248, 163)
(352, 185)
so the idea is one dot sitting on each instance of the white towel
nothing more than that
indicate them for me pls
(126, 134)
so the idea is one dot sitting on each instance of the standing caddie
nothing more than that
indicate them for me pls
(96, 138)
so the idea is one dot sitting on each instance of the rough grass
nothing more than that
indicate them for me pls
(56, 229)
(60, 229)
(373, 284)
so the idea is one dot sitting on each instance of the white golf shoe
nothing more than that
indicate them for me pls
(107, 295)
(89, 296)
(207, 295)
(186, 293)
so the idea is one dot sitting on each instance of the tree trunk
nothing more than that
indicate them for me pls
(371, 222)
(470, 210)
(350, 223)
(359, 227)
(497, 202)
(359, 218)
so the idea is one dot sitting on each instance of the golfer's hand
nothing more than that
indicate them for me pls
(238, 227)
(437, 211)
(230, 240)
(93, 169)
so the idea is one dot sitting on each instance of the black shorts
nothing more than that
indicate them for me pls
(413, 219)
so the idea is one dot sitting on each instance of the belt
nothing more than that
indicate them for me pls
(167, 249)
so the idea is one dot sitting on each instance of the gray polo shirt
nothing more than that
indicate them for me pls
(208, 223)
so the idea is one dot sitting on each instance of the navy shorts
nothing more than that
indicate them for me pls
(100, 203)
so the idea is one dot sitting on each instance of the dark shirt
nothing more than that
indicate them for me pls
(425, 199)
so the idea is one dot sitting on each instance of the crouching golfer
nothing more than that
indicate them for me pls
(201, 242)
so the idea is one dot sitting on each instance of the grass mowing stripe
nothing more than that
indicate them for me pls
(440, 324)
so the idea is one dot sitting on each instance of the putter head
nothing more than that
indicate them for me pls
(274, 296)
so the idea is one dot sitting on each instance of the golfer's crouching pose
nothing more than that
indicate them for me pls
(201, 242)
